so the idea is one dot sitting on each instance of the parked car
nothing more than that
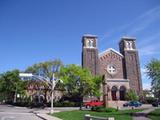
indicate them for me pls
(93, 103)
(155, 104)
(132, 104)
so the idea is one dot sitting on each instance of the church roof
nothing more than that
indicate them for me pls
(108, 50)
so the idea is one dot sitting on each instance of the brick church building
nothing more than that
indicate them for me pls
(121, 70)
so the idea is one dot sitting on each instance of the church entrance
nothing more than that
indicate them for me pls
(114, 91)
(122, 92)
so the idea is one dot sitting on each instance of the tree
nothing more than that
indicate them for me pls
(131, 95)
(153, 72)
(80, 82)
(46, 70)
(11, 85)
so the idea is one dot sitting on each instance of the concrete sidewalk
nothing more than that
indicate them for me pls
(143, 114)
(43, 114)
(47, 117)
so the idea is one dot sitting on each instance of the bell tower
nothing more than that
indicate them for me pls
(90, 53)
(131, 63)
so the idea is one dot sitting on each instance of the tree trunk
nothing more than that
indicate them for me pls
(81, 103)
(15, 97)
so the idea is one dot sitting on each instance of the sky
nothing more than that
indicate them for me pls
(33, 31)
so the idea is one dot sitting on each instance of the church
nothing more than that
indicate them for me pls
(121, 69)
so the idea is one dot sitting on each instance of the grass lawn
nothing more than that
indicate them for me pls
(155, 115)
(79, 115)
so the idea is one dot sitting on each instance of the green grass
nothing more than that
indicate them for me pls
(79, 115)
(154, 115)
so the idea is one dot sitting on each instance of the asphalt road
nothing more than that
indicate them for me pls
(8, 112)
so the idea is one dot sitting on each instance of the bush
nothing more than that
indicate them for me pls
(21, 104)
(131, 95)
(64, 104)
(150, 100)
(111, 109)
(103, 109)
(93, 108)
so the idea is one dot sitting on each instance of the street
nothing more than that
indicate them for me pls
(8, 112)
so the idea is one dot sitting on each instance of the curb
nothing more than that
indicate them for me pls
(45, 116)
(40, 116)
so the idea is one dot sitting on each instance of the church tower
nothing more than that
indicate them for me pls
(90, 53)
(131, 63)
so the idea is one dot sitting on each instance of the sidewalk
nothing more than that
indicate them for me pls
(143, 114)
(43, 114)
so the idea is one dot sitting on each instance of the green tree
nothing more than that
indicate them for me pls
(46, 70)
(11, 85)
(80, 82)
(131, 95)
(153, 72)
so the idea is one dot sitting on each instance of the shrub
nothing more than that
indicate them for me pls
(64, 104)
(111, 109)
(93, 108)
(22, 104)
(150, 100)
(103, 109)
(131, 95)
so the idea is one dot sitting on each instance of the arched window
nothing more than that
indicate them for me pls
(122, 92)
(114, 91)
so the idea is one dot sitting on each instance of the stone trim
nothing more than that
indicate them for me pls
(108, 50)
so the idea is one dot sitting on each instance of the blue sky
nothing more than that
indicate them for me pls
(33, 31)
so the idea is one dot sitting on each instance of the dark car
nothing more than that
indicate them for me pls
(132, 104)
(155, 104)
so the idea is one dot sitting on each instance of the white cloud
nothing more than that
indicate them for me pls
(146, 82)
(146, 86)
(149, 50)
(145, 20)
(150, 39)
(140, 26)
(143, 70)
(143, 74)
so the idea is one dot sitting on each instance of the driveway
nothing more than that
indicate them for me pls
(144, 106)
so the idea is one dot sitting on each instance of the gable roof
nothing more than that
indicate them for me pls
(109, 50)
